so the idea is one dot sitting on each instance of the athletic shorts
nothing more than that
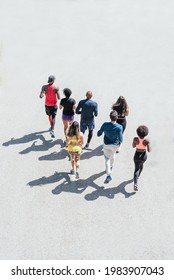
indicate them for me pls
(84, 126)
(67, 117)
(51, 110)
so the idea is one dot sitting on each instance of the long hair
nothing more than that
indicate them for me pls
(74, 130)
(120, 105)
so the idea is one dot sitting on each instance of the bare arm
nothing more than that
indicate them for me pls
(135, 142)
(127, 111)
(81, 138)
(74, 107)
(148, 144)
(43, 91)
(57, 93)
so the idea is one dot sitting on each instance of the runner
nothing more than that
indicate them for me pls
(69, 105)
(87, 109)
(51, 93)
(141, 144)
(121, 107)
(74, 147)
(112, 138)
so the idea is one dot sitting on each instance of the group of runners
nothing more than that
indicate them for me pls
(112, 130)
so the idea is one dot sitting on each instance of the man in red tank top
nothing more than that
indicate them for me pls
(51, 93)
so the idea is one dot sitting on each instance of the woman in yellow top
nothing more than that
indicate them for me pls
(74, 146)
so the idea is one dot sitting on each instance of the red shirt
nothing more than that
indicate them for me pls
(50, 95)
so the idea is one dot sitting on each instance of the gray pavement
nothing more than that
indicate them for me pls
(112, 48)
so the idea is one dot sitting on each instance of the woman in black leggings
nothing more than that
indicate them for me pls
(141, 144)
(122, 109)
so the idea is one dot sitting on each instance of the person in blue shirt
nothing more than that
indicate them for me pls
(113, 136)
(88, 109)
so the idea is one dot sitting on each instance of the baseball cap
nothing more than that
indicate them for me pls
(51, 79)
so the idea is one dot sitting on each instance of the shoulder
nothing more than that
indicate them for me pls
(72, 100)
(136, 140)
(56, 88)
(45, 88)
(119, 126)
(146, 141)
(62, 100)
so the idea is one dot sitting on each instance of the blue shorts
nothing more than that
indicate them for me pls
(84, 126)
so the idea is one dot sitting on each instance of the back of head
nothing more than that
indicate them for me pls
(51, 79)
(120, 105)
(89, 94)
(67, 92)
(74, 130)
(113, 116)
(142, 131)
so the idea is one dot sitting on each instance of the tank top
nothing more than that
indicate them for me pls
(51, 96)
(140, 145)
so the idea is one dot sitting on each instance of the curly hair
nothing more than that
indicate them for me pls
(142, 131)
(67, 92)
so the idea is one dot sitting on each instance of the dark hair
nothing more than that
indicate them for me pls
(120, 105)
(113, 116)
(142, 131)
(67, 92)
(74, 130)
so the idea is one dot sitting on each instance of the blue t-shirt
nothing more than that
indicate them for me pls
(88, 109)
(113, 133)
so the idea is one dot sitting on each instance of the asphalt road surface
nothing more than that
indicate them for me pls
(112, 48)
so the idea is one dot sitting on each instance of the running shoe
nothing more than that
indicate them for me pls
(72, 172)
(52, 134)
(118, 150)
(86, 146)
(108, 179)
(135, 187)
(77, 175)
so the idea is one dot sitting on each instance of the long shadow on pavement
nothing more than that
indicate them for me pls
(45, 146)
(55, 155)
(56, 177)
(92, 153)
(63, 154)
(110, 192)
(77, 186)
(80, 185)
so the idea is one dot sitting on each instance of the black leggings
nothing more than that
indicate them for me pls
(139, 159)
(122, 122)
(90, 134)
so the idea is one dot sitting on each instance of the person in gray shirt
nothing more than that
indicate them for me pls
(88, 109)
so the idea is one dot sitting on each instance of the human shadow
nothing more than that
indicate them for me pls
(56, 177)
(110, 192)
(55, 155)
(78, 186)
(25, 139)
(92, 153)
(44, 146)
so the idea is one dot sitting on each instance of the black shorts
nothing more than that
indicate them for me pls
(51, 110)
